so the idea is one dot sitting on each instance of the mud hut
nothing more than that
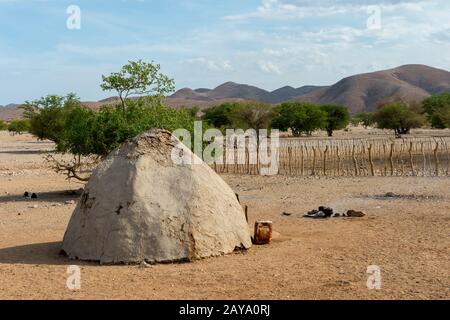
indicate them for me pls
(139, 205)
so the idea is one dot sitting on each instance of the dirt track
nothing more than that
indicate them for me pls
(407, 237)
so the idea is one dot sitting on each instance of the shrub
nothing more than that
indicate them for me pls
(300, 117)
(220, 116)
(48, 115)
(19, 126)
(398, 117)
(364, 118)
(437, 108)
(338, 117)
(3, 125)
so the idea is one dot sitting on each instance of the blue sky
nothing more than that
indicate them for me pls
(268, 43)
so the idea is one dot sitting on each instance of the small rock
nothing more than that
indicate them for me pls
(144, 264)
(26, 194)
(34, 196)
(287, 214)
(34, 206)
(336, 215)
(355, 214)
(390, 195)
(70, 202)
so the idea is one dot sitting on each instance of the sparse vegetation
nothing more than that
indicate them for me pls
(366, 119)
(3, 125)
(299, 117)
(19, 126)
(437, 108)
(338, 118)
(398, 117)
(219, 116)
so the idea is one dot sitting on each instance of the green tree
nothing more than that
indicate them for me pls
(397, 116)
(441, 119)
(251, 115)
(364, 118)
(338, 117)
(48, 115)
(300, 117)
(220, 116)
(138, 78)
(98, 133)
(19, 126)
(3, 125)
(437, 108)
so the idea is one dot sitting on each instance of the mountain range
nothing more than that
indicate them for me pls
(362, 92)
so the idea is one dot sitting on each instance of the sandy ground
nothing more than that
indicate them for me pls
(407, 237)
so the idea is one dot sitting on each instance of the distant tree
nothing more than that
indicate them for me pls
(398, 117)
(19, 126)
(364, 118)
(48, 115)
(220, 116)
(338, 117)
(300, 117)
(193, 111)
(251, 115)
(437, 108)
(441, 119)
(138, 78)
(3, 125)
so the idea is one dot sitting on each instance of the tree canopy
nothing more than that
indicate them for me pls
(338, 117)
(398, 117)
(300, 117)
(138, 78)
(437, 108)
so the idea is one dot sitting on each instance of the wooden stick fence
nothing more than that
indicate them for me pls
(350, 157)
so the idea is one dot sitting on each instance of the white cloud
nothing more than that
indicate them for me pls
(269, 67)
(212, 65)
(283, 9)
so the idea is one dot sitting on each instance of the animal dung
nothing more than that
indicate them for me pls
(263, 232)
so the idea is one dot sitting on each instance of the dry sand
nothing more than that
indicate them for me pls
(407, 237)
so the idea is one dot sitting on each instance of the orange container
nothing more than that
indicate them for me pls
(263, 232)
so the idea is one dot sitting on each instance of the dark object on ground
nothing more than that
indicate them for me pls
(315, 214)
(327, 212)
(26, 194)
(34, 196)
(355, 214)
(390, 195)
(287, 214)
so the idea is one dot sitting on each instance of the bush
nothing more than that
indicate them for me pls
(19, 126)
(3, 125)
(48, 115)
(300, 117)
(398, 117)
(98, 133)
(220, 116)
(437, 108)
(364, 118)
(338, 117)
